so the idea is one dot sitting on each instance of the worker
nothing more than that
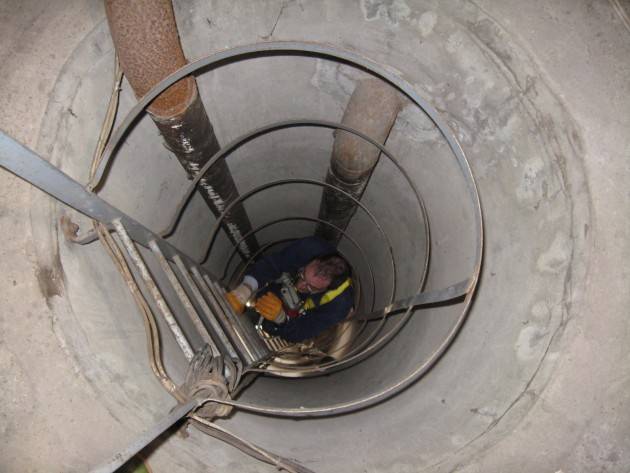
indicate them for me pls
(299, 291)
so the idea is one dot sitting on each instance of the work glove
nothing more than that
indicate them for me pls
(238, 297)
(269, 307)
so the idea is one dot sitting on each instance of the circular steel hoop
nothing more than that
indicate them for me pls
(360, 352)
(271, 48)
(269, 185)
(345, 235)
(365, 349)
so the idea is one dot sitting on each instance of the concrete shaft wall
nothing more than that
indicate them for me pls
(537, 95)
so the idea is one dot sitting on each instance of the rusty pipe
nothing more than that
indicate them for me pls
(372, 109)
(147, 42)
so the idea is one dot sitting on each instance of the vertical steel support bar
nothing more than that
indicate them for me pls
(204, 307)
(183, 297)
(153, 289)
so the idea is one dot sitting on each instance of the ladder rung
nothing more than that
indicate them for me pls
(216, 328)
(249, 355)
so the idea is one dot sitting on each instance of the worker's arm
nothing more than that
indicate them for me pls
(288, 260)
(314, 322)
(270, 267)
(239, 296)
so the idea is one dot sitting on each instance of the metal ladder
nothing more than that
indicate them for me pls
(199, 294)
(203, 299)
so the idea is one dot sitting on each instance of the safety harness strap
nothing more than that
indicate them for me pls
(328, 296)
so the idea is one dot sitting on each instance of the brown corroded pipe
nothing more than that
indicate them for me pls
(372, 109)
(147, 42)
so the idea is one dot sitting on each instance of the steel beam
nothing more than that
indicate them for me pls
(28, 165)
(146, 438)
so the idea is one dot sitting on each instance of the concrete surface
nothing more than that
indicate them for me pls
(537, 94)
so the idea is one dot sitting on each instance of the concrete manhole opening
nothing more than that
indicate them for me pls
(375, 249)
(261, 145)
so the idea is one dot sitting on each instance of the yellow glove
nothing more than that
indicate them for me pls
(270, 307)
(237, 305)
(238, 297)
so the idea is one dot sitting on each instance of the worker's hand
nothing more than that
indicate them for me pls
(238, 297)
(270, 307)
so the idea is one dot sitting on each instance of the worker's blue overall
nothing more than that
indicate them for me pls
(323, 310)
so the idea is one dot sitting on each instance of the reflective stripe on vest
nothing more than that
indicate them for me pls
(328, 296)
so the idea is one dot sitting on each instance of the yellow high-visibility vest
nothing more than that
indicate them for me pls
(328, 296)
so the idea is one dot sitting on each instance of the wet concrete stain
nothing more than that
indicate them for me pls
(51, 280)
(426, 23)
(392, 11)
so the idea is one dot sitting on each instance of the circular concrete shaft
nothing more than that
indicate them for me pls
(537, 380)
